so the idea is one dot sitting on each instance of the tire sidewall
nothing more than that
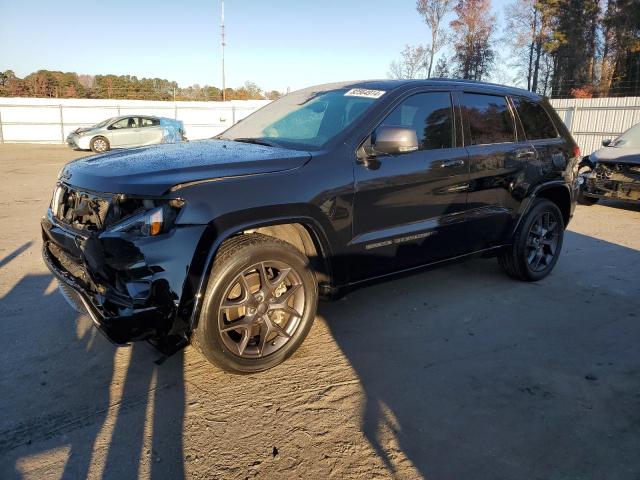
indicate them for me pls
(539, 208)
(207, 330)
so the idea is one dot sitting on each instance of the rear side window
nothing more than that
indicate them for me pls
(535, 120)
(149, 122)
(489, 117)
(430, 115)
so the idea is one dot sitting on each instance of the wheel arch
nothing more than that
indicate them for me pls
(557, 192)
(304, 233)
(561, 196)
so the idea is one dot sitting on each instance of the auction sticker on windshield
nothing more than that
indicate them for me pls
(364, 92)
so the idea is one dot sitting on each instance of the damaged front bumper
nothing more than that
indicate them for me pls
(616, 181)
(76, 141)
(133, 288)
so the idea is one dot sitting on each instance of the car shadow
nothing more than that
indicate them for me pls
(633, 206)
(8, 258)
(479, 376)
(107, 412)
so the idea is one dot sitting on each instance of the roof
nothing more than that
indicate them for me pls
(431, 82)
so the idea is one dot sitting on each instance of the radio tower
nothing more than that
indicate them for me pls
(224, 93)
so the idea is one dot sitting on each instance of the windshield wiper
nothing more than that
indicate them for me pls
(255, 141)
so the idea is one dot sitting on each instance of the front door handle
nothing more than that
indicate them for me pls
(452, 163)
(525, 154)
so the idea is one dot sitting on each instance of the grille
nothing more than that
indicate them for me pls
(79, 209)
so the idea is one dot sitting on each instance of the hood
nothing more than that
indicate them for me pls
(153, 170)
(84, 129)
(616, 155)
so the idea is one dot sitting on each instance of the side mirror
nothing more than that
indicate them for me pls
(606, 143)
(394, 140)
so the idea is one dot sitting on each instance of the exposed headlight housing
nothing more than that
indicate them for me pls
(154, 217)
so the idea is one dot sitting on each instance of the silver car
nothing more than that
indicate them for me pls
(127, 131)
(613, 172)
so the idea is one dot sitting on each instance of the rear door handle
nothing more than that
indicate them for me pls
(452, 163)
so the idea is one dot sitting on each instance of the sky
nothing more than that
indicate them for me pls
(278, 44)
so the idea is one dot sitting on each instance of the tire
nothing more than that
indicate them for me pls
(99, 145)
(530, 260)
(231, 335)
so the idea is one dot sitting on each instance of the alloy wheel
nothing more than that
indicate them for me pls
(99, 145)
(542, 242)
(261, 309)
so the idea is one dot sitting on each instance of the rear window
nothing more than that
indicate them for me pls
(489, 118)
(536, 122)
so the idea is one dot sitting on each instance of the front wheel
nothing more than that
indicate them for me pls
(99, 145)
(260, 304)
(536, 244)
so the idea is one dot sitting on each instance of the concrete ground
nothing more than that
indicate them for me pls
(457, 373)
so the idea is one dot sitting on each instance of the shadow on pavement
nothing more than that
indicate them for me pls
(64, 385)
(473, 375)
(479, 376)
(15, 253)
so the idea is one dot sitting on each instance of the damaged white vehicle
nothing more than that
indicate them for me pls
(127, 131)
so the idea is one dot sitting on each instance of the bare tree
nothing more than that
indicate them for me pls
(87, 81)
(527, 31)
(412, 62)
(442, 69)
(433, 11)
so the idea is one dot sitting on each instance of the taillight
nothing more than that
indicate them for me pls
(576, 152)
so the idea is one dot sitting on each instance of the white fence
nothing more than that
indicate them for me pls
(44, 120)
(592, 120)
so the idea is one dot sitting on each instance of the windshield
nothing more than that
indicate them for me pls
(104, 123)
(307, 119)
(629, 139)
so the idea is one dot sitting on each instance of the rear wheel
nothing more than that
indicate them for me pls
(260, 304)
(536, 244)
(99, 144)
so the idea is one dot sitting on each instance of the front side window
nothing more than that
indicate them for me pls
(536, 122)
(489, 117)
(430, 115)
(306, 119)
(129, 122)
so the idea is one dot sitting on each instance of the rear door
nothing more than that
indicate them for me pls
(499, 157)
(553, 151)
(150, 131)
(407, 206)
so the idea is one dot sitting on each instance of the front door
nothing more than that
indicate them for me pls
(407, 207)
(124, 132)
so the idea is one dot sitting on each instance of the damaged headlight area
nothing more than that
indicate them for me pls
(143, 217)
(96, 212)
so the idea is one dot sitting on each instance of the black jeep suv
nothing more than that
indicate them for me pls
(228, 243)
